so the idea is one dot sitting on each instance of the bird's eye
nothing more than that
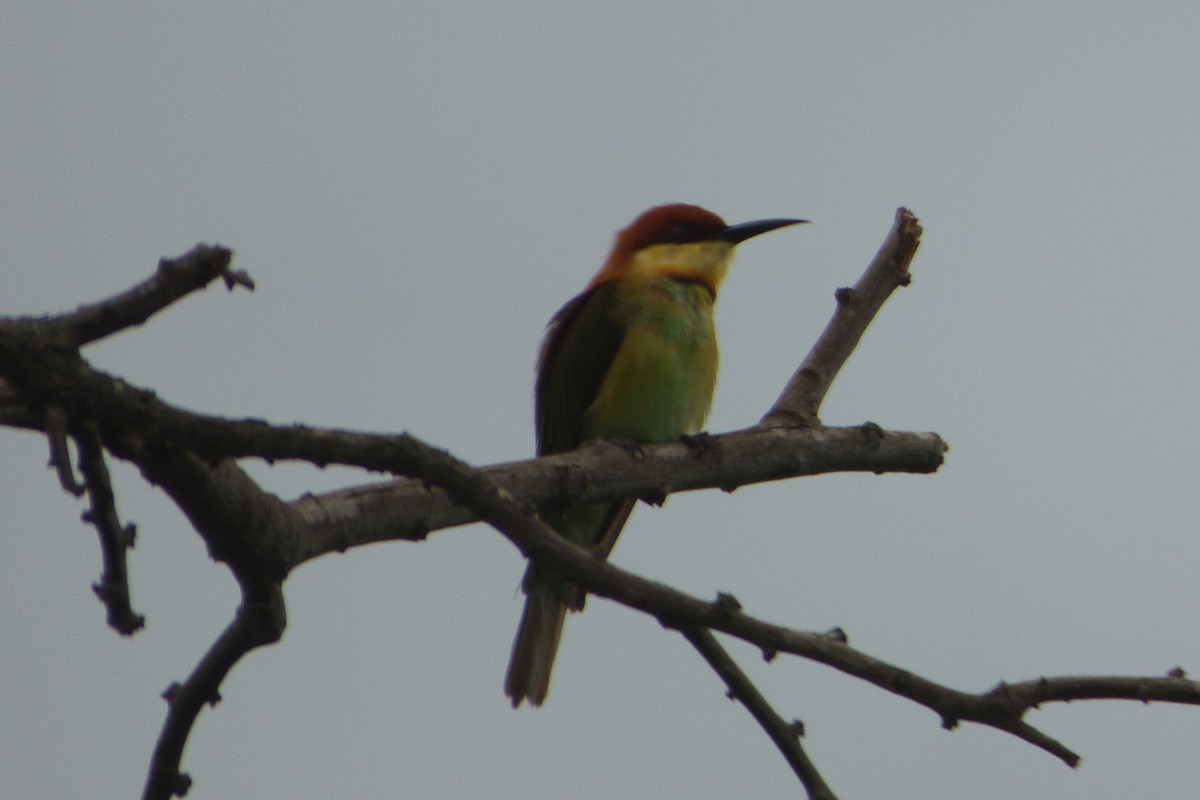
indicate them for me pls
(681, 233)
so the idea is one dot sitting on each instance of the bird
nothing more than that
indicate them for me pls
(631, 359)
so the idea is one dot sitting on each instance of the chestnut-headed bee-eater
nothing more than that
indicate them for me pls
(632, 359)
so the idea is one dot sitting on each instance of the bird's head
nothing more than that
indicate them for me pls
(680, 241)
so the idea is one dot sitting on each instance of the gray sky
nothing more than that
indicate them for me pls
(417, 187)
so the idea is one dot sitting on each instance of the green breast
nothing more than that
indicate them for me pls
(660, 383)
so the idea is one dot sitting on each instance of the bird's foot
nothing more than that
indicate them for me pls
(632, 448)
(702, 444)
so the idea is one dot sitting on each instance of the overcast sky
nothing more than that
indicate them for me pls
(417, 187)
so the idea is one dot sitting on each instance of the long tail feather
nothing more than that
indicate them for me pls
(535, 645)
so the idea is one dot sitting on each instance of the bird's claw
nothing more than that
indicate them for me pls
(632, 448)
(702, 443)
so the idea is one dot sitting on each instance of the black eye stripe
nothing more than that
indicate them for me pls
(682, 233)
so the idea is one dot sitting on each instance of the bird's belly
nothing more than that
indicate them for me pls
(660, 384)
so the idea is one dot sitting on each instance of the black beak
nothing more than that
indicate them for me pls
(741, 232)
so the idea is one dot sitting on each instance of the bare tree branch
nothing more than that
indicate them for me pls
(15, 414)
(127, 415)
(786, 736)
(599, 472)
(60, 453)
(801, 398)
(115, 539)
(1172, 688)
(750, 456)
(241, 525)
(175, 278)
(259, 621)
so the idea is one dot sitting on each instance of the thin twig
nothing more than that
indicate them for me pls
(115, 540)
(60, 454)
(175, 278)
(258, 621)
(801, 399)
(786, 736)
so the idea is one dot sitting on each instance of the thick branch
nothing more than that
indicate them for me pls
(245, 527)
(750, 456)
(131, 418)
(597, 472)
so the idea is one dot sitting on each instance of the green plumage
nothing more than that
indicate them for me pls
(630, 360)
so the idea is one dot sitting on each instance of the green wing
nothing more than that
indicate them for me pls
(581, 342)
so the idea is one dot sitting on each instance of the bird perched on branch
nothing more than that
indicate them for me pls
(632, 359)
